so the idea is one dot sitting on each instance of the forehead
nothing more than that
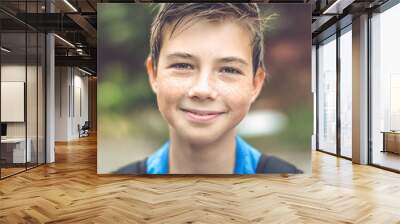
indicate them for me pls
(224, 38)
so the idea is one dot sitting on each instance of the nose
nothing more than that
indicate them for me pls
(202, 88)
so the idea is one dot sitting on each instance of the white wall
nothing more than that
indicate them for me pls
(62, 81)
(71, 87)
(16, 73)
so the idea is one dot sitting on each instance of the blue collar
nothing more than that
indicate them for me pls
(245, 163)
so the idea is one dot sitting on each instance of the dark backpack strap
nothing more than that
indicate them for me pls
(138, 167)
(262, 162)
(272, 164)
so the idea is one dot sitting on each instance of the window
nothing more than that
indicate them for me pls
(385, 88)
(346, 92)
(327, 95)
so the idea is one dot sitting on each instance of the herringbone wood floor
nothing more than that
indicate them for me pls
(69, 191)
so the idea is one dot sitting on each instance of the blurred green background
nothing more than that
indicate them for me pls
(130, 126)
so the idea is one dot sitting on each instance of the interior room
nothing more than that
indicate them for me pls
(49, 100)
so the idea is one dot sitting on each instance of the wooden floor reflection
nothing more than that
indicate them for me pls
(387, 159)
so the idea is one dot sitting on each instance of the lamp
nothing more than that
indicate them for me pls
(64, 40)
(5, 50)
(70, 5)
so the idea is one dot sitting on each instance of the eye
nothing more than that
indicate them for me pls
(231, 70)
(182, 66)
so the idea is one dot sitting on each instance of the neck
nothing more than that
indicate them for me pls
(213, 158)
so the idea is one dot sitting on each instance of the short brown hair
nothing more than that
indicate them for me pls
(175, 13)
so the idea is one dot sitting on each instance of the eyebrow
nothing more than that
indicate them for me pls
(233, 59)
(180, 55)
(222, 60)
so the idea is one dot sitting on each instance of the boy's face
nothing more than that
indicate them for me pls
(204, 80)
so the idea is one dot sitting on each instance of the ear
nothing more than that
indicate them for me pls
(258, 82)
(152, 74)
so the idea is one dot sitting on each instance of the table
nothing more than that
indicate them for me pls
(391, 141)
(16, 154)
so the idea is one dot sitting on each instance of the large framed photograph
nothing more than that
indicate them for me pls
(204, 88)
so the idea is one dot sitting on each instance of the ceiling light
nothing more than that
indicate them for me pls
(84, 71)
(65, 41)
(70, 5)
(338, 6)
(5, 50)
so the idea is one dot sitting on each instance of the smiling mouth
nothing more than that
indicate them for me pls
(201, 115)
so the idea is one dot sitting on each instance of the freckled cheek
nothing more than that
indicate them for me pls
(170, 93)
(237, 97)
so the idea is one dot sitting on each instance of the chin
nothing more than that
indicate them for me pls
(200, 138)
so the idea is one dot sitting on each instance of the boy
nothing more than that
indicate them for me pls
(206, 69)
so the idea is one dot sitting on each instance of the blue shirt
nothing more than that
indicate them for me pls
(246, 159)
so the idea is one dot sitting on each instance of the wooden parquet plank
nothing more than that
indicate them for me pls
(70, 191)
